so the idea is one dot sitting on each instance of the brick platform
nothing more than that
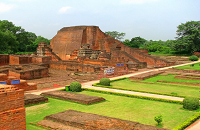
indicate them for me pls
(34, 99)
(75, 97)
(89, 121)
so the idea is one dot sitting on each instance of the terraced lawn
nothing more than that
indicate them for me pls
(161, 88)
(170, 78)
(195, 67)
(127, 108)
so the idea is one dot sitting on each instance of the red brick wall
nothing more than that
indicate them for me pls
(16, 60)
(41, 59)
(72, 66)
(13, 60)
(34, 74)
(12, 111)
(4, 59)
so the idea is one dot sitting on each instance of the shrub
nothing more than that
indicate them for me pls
(75, 87)
(67, 88)
(191, 103)
(105, 81)
(193, 58)
(158, 119)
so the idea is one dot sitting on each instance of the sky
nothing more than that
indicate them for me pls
(149, 19)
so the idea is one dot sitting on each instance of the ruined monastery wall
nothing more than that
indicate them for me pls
(12, 111)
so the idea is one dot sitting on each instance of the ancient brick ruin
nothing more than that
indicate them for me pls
(12, 111)
(90, 44)
(80, 48)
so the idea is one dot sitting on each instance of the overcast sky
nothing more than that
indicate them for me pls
(149, 19)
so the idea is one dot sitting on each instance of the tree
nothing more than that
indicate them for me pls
(116, 35)
(14, 38)
(34, 45)
(135, 42)
(189, 36)
(8, 38)
(8, 43)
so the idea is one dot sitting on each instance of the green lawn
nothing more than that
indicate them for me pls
(138, 110)
(162, 88)
(195, 67)
(170, 78)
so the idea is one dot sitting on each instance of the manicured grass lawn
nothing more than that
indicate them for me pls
(138, 110)
(195, 67)
(162, 88)
(170, 78)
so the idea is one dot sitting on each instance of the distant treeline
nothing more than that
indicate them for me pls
(14, 39)
(187, 41)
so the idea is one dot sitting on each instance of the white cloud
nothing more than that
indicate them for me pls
(137, 1)
(5, 7)
(65, 9)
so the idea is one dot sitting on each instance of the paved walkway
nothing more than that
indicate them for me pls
(195, 126)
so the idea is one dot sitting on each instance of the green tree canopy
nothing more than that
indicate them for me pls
(116, 35)
(189, 36)
(15, 39)
(135, 42)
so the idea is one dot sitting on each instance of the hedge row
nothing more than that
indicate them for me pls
(134, 96)
(118, 79)
(99, 85)
(188, 122)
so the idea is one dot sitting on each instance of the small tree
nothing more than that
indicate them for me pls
(115, 34)
(158, 119)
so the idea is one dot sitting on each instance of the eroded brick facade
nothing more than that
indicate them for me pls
(12, 111)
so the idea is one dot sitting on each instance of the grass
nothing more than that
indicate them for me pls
(170, 78)
(160, 88)
(195, 67)
(168, 54)
(138, 110)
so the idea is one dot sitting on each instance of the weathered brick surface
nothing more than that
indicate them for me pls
(4, 59)
(12, 111)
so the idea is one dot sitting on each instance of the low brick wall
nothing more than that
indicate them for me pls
(17, 59)
(184, 70)
(147, 75)
(195, 84)
(4, 59)
(12, 111)
(185, 77)
(74, 66)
